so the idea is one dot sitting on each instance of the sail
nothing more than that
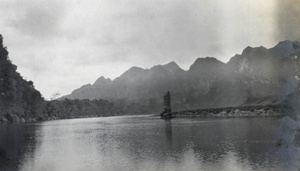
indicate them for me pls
(167, 102)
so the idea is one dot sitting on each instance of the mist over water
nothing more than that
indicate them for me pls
(149, 143)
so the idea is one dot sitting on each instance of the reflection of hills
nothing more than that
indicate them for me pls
(169, 132)
(17, 141)
(137, 143)
(257, 76)
(252, 140)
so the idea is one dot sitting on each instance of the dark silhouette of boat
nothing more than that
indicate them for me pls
(167, 113)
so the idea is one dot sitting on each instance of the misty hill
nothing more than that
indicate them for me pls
(257, 76)
(19, 100)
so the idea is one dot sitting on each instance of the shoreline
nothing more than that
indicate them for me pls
(274, 110)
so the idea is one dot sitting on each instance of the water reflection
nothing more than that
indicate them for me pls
(168, 125)
(16, 141)
(148, 143)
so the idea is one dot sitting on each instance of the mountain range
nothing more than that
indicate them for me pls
(257, 76)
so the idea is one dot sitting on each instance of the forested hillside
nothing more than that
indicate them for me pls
(19, 100)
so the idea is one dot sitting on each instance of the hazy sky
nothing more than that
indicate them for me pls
(63, 44)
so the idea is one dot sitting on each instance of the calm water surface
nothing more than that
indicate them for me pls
(149, 143)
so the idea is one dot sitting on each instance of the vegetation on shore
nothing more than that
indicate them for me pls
(242, 111)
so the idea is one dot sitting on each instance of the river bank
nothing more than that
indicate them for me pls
(274, 110)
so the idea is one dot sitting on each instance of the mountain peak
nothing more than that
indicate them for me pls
(286, 48)
(133, 72)
(102, 81)
(206, 60)
(172, 63)
(172, 67)
(133, 69)
(206, 63)
(249, 50)
(288, 44)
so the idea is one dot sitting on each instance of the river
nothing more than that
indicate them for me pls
(149, 143)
